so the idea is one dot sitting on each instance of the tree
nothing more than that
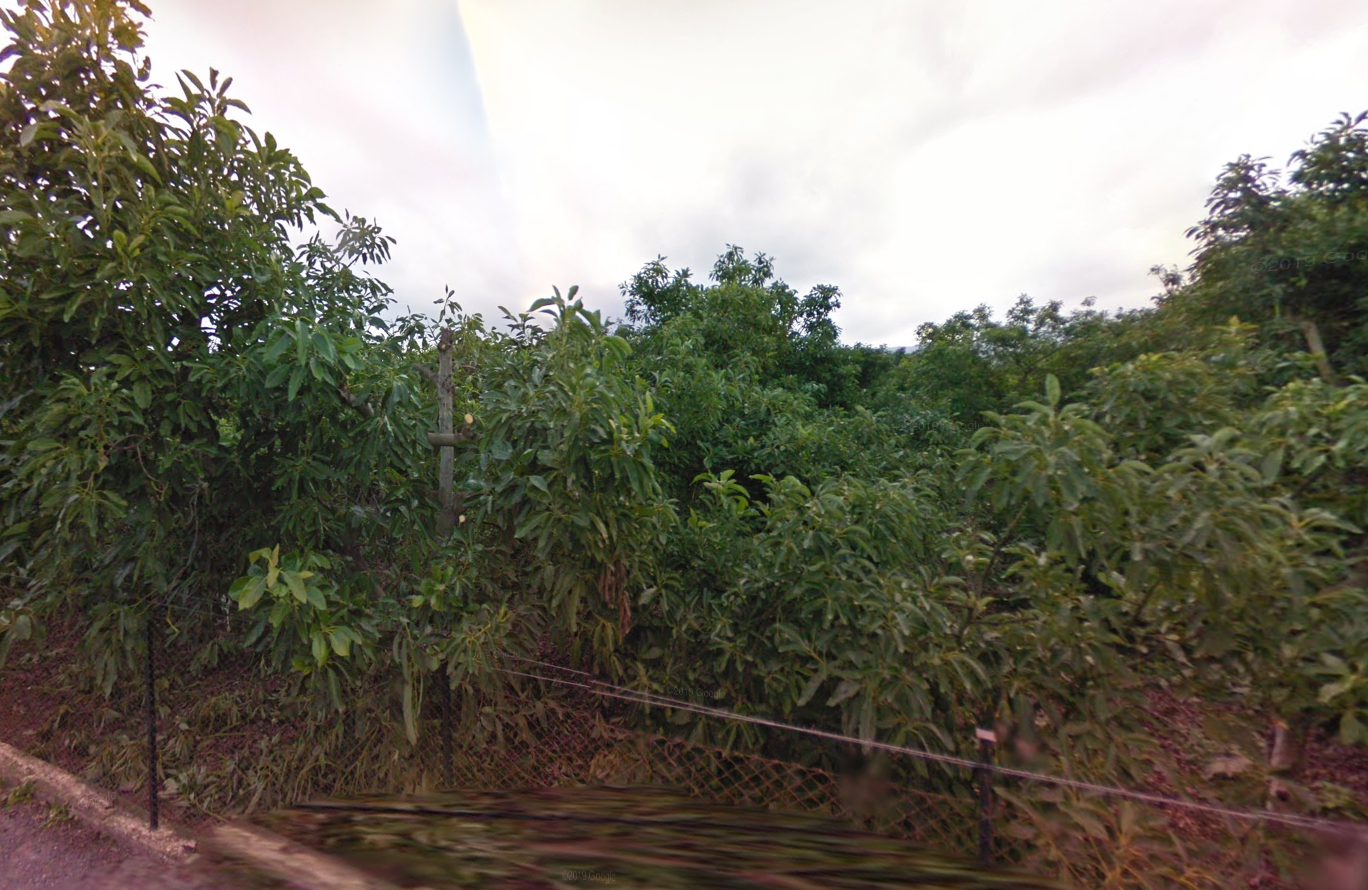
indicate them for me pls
(155, 323)
(971, 363)
(747, 318)
(1289, 250)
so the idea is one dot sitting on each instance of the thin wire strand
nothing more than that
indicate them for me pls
(600, 687)
(603, 688)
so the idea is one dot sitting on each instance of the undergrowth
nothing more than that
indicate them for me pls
(234, 742)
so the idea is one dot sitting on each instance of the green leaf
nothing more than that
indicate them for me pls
(142, 394)
(410, 723)
(296, 585)
(301, 342)
(29, 133)
(341, 643)
(845, 690)
(296, 379)
(252, 593)
(279, 343)
(866, 727)
(1052, 393)
(1331, 691)
(813, 684)
(72, 308)
(335, 692)
(323, 345)
(1272, 464)
(1334, 662)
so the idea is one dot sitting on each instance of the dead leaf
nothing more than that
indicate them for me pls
(1228, 767)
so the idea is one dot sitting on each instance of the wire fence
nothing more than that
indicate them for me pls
(204, 736)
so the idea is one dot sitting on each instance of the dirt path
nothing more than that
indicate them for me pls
(70, 856)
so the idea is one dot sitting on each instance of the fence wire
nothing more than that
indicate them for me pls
(230, 742)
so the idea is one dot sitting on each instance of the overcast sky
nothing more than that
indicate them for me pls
(925, 157)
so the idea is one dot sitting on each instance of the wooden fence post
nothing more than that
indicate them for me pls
(986, 739)
(447, 517)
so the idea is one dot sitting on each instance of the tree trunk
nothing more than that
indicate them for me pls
(1316, 346)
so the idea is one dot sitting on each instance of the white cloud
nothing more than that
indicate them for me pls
(924, 157)
(381, 104)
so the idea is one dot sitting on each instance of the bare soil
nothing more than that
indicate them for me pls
(70, 856)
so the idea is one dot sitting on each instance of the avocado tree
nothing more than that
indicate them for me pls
(1288, 250)
(177, 369)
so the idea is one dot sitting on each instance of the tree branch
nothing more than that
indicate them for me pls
(438, 440)
(355, 401)
(427, 373)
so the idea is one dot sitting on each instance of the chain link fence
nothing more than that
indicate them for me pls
(230, 741)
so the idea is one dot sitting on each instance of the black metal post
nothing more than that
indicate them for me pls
(151, 729)
(986, 738)
(446, 733)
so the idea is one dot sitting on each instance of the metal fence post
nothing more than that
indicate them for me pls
(986, 739)
(151, 728)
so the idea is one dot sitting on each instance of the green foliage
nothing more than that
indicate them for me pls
(1285, 251)
(182, 382)
(1317, 436)
(823, 597)
(1157, 400)
(563, 473)
(20, 794)
(146, 243)
(303, 607)
(971, 364)
(753, 380)
(750, 320)
(1201, 539)
(56, 814)
(1023, 520)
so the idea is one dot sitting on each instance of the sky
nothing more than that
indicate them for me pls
(925, 157)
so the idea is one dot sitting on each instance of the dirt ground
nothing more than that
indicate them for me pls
(70, 856)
